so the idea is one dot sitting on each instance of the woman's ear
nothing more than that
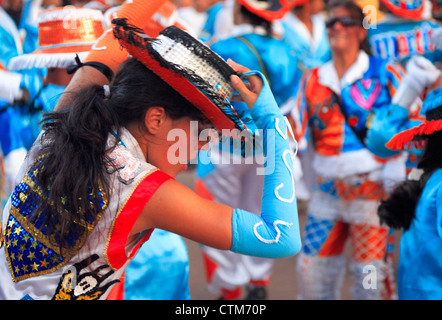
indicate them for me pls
(362, 34)
(154, 119)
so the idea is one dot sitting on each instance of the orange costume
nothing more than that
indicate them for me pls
(349, 178)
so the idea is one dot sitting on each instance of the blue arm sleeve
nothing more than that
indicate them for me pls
(274, 234)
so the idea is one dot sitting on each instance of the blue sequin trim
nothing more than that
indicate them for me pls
(28, 249)
(27, 256)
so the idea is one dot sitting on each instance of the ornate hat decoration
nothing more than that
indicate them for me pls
(268, 9)
(411, 9)
(63, 33)
(189, 66)
(415, 138)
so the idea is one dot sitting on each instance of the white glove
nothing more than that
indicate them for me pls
(12, 162)
(394, 172)
(436, 38)
(421, 73)
(10, 86)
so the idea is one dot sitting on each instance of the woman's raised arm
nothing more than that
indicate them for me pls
(274, 234)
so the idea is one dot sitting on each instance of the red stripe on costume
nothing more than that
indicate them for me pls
(231, 294)
(201, 190)
(391, 88)
(117, 291)
(115, 250)
(301, 132)
(264, 282)
(334, 245)
(368, 190)
(394, 71)
(210, 267)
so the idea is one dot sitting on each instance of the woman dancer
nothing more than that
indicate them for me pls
(100, 177)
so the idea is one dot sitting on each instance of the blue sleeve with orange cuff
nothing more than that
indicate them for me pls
(274, 234)
(385, 123)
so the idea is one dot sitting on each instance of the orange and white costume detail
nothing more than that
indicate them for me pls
(349, 179)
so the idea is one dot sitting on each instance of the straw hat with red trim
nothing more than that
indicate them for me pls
(415, 138)
(63, 33)
(189, 66)
(269, 10)
(411, 9)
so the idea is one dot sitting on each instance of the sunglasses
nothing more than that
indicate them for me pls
(344, 21)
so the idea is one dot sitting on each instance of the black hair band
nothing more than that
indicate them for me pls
(104, 69)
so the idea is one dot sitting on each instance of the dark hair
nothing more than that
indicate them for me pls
(398, 210)
(256, 20)
(383, 7)
(75, 156)
(356, 12)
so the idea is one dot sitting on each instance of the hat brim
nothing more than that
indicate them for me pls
(275, 11)
(414, 138)
(414, 14)
(47, 59)
(140, 46)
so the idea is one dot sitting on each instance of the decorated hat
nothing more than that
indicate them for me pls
(267, 9)
(411, 9)
(189, 66)
(415, 138)
(63, 32)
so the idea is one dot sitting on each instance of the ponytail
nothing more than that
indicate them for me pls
(398, 210)
(74, 144)
(73, 174)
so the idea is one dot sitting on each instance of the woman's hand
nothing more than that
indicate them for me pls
(248, 93)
